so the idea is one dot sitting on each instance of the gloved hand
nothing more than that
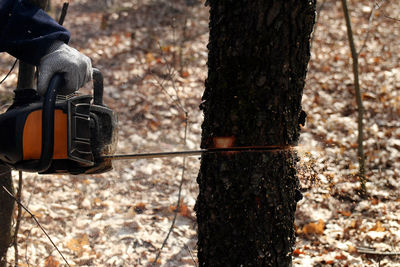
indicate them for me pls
(61, 58)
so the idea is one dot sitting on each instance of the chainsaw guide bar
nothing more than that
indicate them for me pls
(188, 153)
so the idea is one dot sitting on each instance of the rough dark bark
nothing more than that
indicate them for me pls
(258, 55)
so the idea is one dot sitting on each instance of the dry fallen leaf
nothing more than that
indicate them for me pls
(77, 244)
(345, 213)
(185, 74)
(183, 209)
(140, 207)
(341, 257)
(374, 201)
(152, 261)
(378, 227)
(351, 249)
(297, 252)
(150, 58)
(314, 228)
(51, 262)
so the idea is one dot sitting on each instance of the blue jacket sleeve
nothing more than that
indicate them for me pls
(26, 31)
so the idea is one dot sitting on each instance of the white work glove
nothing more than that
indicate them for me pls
(61, 58)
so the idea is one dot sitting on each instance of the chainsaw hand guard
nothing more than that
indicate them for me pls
(49, 135)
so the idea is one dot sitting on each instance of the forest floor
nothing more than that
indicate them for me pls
(153, 55)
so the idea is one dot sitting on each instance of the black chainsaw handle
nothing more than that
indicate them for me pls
(48, 108)
(98, 87)
(48, 122)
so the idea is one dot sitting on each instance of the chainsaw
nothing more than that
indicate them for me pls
(74, 134)
(58, 134)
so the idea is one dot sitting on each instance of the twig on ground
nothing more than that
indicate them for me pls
(37, 222)
(371, 251)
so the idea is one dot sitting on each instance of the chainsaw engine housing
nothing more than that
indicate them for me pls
(58, 135)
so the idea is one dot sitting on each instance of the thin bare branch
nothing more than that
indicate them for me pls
(379, 5)
(9, 72)
(37, 222)
(171, 75)
(191, 255)
(371, 18)
(19, 215)
(26, 247)
(354, 55)
(391, 18)
(176, 211)
(64, 11)
(177, 101)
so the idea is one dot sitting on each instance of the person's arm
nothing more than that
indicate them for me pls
(27, 32)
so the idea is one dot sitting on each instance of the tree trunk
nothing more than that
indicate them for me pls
(26, 79)
(258, 55)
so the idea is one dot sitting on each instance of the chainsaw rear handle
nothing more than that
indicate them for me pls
(98, 87)
(47, 129)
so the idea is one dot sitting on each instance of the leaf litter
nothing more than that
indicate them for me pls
(152, 54)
